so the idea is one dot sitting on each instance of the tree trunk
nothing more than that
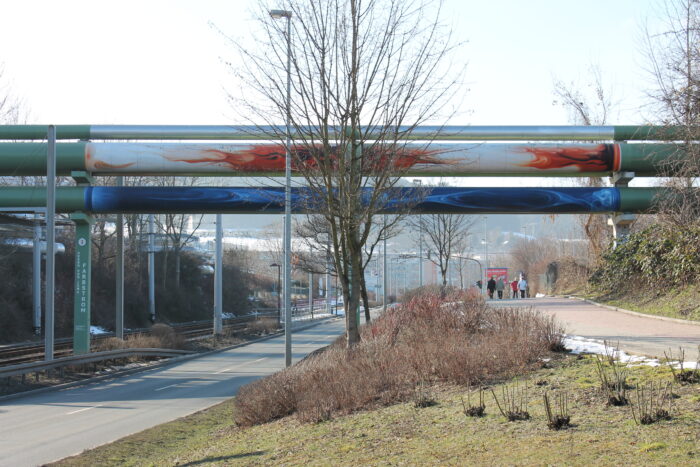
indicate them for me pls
(365, 299)
(177, 267)
(165, 268)
(353, 293)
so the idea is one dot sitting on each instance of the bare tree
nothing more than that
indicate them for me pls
(12, 109)
(530, 256)
(445, 234)
(179, 229)
(673, 60)
(314, 232)
(589, 104)
(364, 74)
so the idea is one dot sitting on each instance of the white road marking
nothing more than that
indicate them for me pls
(166, 387)
(238, 366)
(84, 409)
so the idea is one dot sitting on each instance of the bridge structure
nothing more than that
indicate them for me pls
(85, 151)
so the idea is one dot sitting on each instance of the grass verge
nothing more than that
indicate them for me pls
(681, 303)
(438, 434)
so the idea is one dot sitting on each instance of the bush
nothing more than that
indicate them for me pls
(432, 289)
(162, 336)
(263, 326)
(430, 339)
(658, 257)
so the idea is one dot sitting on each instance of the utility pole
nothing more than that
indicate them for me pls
(151, 268)
(36, 275)
(385, 277)
(218, 277)
(119, 260)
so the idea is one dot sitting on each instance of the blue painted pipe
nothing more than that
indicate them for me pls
(418, 200)
(237, 200)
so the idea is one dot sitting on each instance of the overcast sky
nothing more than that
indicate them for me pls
(158, 61)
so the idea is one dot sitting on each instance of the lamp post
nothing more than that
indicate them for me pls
(279, 307)
(278, 14)
(481, 268)
(418, 183)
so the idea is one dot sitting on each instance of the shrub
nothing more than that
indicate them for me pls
(161, 336)
(263, 326)
(659, 257)
(429, 339)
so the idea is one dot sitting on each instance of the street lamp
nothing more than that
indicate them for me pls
(481, 268)
(418, 182)
(278, 14)
(279, 274)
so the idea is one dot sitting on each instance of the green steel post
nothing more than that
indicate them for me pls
(83, 272)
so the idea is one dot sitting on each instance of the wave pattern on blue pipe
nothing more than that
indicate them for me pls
(428, 200)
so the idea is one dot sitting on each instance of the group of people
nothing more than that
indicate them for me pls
(499, 286)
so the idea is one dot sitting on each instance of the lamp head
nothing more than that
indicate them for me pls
(277, 14)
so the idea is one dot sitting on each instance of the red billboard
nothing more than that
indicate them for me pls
(497, 272)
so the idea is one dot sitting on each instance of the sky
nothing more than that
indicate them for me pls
(163, 62)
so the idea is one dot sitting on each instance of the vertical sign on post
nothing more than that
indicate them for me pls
(81, 307)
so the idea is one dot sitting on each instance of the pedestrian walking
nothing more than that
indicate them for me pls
(500, 287)
(522, 286)
(491, 286)
(514, 288)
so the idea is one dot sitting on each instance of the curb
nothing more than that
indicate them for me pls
(154, 366)
(633, 313)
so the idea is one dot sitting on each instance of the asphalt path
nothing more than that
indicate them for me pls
(634, 334)
(45, 427)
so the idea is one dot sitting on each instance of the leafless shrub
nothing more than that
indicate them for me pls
(263, 326)
(166, 337)
(653, 403)
(161, 336)
(559, 418)
(428, 339)
(613, 376)
(683, 375)
(514, 402)
(423, 396)
(474, 410)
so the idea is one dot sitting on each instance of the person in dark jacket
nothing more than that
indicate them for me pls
(491, 286)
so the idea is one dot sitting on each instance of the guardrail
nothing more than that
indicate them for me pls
(33, 367)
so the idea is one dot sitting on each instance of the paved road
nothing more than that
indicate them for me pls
(50, 426)
(636, 335)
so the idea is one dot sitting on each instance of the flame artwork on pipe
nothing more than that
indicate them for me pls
(270, 158)
(600, 158)
(434, 159)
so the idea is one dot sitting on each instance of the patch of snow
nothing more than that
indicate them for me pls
(98, 330)
(582, 345)
(539, 295)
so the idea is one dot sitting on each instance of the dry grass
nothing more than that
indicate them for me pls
(263, 326)
(427, 340)
(162, 336)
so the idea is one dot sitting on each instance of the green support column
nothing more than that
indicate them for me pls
(83, 270)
